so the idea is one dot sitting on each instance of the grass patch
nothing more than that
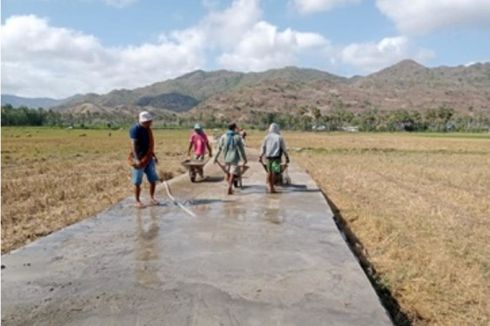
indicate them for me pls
(455, 135)
(55, 177)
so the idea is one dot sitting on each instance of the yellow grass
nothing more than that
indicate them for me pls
(420, 205)
(55, 177)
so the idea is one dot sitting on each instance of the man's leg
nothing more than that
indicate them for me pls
(152, 193)
(229, 178)
(153, 177)
(271, 182)
(272, 175)
(200, 170)
(137, 179)
(137, 192)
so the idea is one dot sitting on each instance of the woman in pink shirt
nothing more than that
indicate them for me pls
(199, 142)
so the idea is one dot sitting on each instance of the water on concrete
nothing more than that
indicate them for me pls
(248, 259)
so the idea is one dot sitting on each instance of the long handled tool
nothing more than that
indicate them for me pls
(175, 201)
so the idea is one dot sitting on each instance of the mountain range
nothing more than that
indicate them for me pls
(405, 85)
(41, 102)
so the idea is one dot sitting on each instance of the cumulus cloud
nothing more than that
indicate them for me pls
(120, 3)
(224, 28)
(250, 44)
(264, 47)
(312, 6)
(44, 60)
(371, 56)
(422, 16)
(41, 60)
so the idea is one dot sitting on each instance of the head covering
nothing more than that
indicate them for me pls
(197, 126)
(145, 117)
(274, 128)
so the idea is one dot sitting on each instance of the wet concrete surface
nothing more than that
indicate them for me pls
(248, 259)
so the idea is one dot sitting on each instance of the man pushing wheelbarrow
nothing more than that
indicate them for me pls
(198, 143)
(273, 147)
(231, 144)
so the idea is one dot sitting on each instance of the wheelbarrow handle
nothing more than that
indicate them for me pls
(222, 167)
(264, 166)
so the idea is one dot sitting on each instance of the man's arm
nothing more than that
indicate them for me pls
(210, 150)
(189, 149)
(284, 150)
(220, 147)
(135, 154)
(262, 151)
(241, 149)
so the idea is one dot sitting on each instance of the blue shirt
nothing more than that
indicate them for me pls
(142, 139)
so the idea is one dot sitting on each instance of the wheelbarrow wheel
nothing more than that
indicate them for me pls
(192, 175)
(278, 179)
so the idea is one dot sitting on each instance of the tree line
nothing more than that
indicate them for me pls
(442, 119)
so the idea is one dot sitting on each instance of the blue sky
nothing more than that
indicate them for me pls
(57, 48)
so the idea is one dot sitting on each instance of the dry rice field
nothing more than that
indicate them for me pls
(420, 206)
(55, 177)
(418, 203)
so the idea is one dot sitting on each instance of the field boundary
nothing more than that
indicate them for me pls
(391, 304)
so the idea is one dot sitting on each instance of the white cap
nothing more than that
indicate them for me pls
(145, 116)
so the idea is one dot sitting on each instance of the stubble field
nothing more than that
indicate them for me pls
(55, 177)
(419, 204)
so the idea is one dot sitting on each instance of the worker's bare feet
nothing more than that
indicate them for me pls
(272, 191)
(154, 202)
(139, 205)
(230, 191)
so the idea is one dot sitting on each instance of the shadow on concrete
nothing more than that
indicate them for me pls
(397, 315)
(297, 188)
(197, 202)
(262, 189)
(212, 179)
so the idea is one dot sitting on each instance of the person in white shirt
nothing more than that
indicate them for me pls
(273, 147)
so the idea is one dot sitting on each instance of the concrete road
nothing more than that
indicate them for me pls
(247, 259)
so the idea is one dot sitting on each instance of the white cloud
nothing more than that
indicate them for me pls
(120, 3)
(224, 28)
(41, 60)
(211, 4)
(264, 47)
(44, 60)
(372, 56)
(312, 6)
(423, 16)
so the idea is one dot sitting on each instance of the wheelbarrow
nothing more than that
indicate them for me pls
(194, 167)
(237, 178)
(282, 178)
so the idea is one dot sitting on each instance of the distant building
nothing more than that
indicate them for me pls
(350, 128)
(319, 128)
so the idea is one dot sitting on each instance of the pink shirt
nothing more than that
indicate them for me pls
(199, 142)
